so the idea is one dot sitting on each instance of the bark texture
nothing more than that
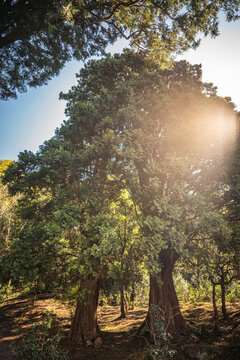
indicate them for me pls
(123, 306)
(133, 296)
(223, 293)
(223, 283)
(84, 325)
(162, 293)
(216, 320)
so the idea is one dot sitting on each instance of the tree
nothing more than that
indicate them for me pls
(216, 251)
(30, 260)
(129, 251)
(164, 150)
(76, 224)
(8, 220)
(232, 193)
(38, 38)
(8, 207)
(131, 125)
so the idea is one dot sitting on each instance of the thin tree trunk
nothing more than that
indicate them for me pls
(133, 295)
(123, 305)
(84, 325)
(162, 293)
(198, 274)
(34, 298)
(223, 293)
(216, 320)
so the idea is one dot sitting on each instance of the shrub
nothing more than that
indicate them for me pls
(233, 292)
(160, 338)
(39, 345)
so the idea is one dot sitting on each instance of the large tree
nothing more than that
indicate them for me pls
(167, 131)
(38, 38)
(131, 125)
(72, 229)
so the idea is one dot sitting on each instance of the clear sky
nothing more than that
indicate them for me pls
(27, 122)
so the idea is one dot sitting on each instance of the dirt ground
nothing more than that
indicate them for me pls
(119, 336)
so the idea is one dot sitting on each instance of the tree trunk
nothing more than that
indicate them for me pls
(133, 295)
(162, 293)
(216, 321)
(224, 310)
(84, 325)
(198, 274)
(123, 303)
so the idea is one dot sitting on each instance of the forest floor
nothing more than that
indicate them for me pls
(119, 336)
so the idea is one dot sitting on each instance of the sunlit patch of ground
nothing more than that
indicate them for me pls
(108, 319)
(119, 335)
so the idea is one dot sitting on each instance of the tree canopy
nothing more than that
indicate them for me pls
(132, 126)
(38, 38)
(8, 212)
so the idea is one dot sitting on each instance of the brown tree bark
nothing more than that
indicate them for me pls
(163, 294)
(223, 293)
(198, 274)
(84, 325)
(133, 296)
(123, 306)
(216, 320)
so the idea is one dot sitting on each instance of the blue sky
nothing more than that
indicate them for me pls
(27, 122)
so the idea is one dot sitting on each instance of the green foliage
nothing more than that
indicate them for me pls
(134, 173)
(39, 345)
(142, 291)
(38, 38)
(127, 265)
(201, 294)
(161, 339)
(188, 292)
(233, 292)
(8, 211)
(5, 291)
(181, 287)
(109, 294)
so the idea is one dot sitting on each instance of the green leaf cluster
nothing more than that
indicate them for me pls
(38, 38)
(132, 172)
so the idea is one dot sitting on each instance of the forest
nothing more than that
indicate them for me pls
(120, 237)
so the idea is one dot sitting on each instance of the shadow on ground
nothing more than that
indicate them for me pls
(119, 336)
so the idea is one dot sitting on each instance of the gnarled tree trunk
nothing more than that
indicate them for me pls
(223, 293)
(84, 325)
(162, 293)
